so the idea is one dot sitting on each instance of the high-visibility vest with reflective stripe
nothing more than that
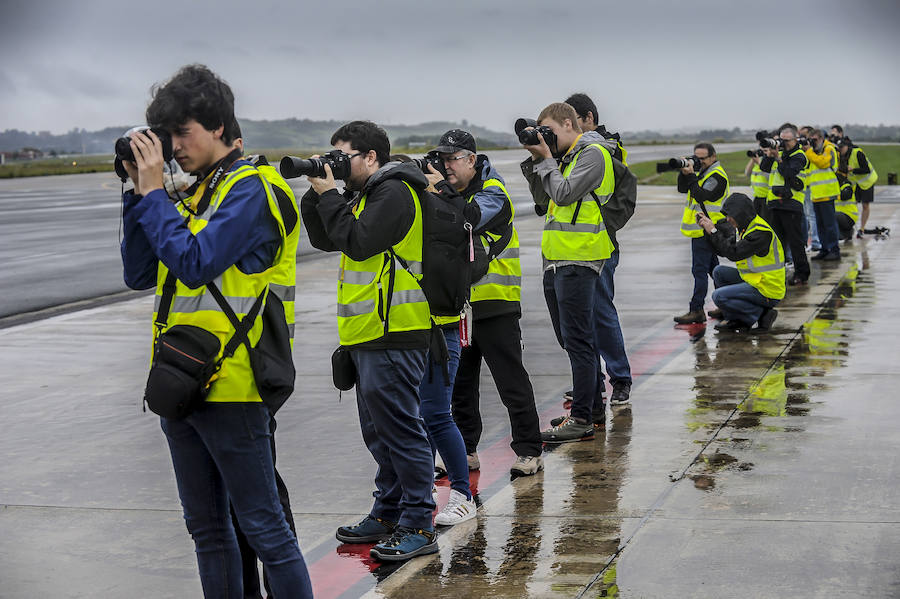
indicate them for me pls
(689, 226)
(364, 288)
(234, 382)
(503, 280)
(766, 273)
(821, 183)
(284, 275)
(849, 206)
(776, 180)
(576, 231)
(861, 181)
(759, 180)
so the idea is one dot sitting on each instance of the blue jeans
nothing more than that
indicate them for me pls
(738, 299)
(571, 293)
(222, 452)
(828, 228)
(703, 261)
(387, 397)
(443, 433)
(607, 330)
(810, 228)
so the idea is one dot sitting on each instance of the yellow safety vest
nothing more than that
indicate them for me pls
(576, 231)
(776, 180)
(759, 180)
(368, 305)
(503, 280)
(234, 382)
(848, 207)
(822, 183)
(861, 181)
(766, 273)
(689, 226)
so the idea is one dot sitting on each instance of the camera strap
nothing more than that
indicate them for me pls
(218, 174)
(241, 326)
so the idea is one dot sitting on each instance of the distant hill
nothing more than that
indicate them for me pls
(284, 133)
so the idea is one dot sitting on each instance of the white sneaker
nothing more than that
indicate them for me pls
(440, 470)
(458, 509)
(434, 493)
(526, 465)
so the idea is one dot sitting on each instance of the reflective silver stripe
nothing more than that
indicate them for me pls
(690, 227)
(497, 279)
(508, 253)
(199, 303)
(409, 296)
(355, 309)
(291, 329)
(357, 277)
(556, 225)
(760, 183)
(821, 170)
(414, 267)
(777, 265)
(758, 269)
(603, 198)
(824, 182)
(284, 292)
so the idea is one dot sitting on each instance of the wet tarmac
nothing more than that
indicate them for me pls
(749, 465)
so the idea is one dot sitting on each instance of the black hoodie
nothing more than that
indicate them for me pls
(388, 215)
(739, 207)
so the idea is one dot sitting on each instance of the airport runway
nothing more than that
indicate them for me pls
(59, 236)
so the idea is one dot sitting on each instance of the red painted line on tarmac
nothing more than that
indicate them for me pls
(337, 572)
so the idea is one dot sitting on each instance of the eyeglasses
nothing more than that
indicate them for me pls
(452, 158)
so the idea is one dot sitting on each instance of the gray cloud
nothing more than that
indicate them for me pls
(647, 63)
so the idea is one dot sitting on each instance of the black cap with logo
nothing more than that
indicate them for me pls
(454, 140)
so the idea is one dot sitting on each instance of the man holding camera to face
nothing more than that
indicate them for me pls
(384, 321)
(227, 240)
(704, 181)
(785, 161)
(574, 246)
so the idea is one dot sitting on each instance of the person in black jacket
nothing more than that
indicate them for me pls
(748, 293)
(371, 223)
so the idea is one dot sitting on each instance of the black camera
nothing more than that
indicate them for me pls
(674, 164)
(434, 159)
(123, 144)
(529, 137)
(803, 140)
(292, 167)
(767, 142)
(756, 152)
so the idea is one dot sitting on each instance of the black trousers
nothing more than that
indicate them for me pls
(845, 226)
(499, 341)
(248, 556)
(788, 226)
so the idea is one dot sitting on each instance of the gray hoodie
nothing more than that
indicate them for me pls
(546, 181)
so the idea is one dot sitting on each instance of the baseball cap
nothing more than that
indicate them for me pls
(456, 139)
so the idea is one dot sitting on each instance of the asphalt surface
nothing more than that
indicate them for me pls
(59, 236)
(756, 465)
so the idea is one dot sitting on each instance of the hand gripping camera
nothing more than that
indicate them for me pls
(529, 137)
(123, 147)
(434, 159)
(292, 167)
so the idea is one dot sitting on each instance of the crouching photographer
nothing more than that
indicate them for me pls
(748, 292)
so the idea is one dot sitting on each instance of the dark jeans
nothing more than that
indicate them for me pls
(443, 433)
(826, 224)
(571, 293)
(222, 452)
(738, 299)
(498, 340)
(845, 225)
(787, 226)
(703, 261)
(608, 332)
(387, 396)
(249, 559)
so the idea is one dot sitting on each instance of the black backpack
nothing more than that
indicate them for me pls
(448, 253)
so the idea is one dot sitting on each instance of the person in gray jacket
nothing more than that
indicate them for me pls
(574, 246)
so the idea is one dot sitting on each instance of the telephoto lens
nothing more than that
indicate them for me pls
(123, 144)
(432, 158)
(292, 166)
(753, 153)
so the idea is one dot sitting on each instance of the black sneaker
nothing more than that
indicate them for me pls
(767, 319)
(567, 431)
(404, 544)
(716, 313)
(368, 530)
(731, 325)
(621, 394)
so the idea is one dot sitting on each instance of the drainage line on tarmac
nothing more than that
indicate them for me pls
(676, 477)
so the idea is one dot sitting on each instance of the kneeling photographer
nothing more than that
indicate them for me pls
(748, 292)
(704, 181)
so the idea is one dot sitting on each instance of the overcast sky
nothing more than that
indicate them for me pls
(648, 64)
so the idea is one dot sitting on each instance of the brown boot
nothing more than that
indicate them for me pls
(691, 317)
(716, 313)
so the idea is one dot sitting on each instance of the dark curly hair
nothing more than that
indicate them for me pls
(195, 92)
(364, 136)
